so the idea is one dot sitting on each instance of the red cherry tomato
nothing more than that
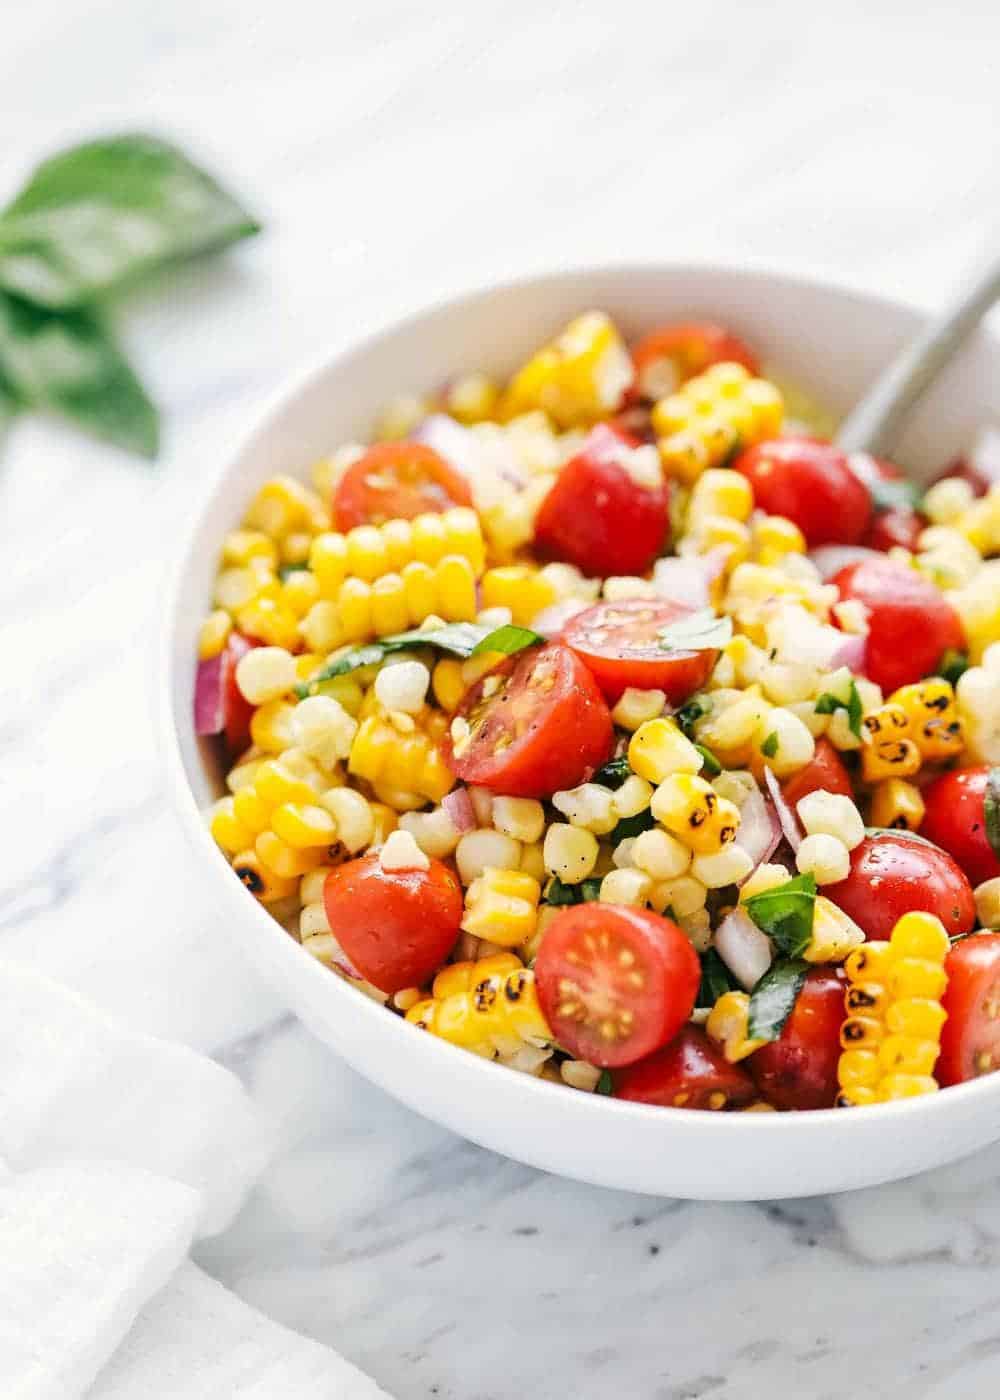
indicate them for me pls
(824, 772)
(965, 468)
(690, 1072)
(615, 982)
(810, 483)
(911, 623)
(238, 712)
(537, 724)
(892, 873)
(620, 644)
(955, 821)
(799, 1069)
(596, 516)
(898, 527)
(397, 480)
(397, 927)
(668, 355)
(970, 1041)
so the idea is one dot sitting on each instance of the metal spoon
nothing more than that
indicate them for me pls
(870, 426)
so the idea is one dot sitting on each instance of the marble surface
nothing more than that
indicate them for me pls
(399, 152)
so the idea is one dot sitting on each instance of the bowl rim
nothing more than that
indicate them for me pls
(603, 1110)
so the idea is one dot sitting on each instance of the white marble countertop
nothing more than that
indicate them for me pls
(398, 152)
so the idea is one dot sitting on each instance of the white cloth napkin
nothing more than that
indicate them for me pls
(117, 1151)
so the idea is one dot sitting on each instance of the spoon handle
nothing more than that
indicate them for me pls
(870, 426)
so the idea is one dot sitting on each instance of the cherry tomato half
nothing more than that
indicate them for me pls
(615, 982)
(397, 480)
(955, 821)
(825, 772)
(690, 1072)
(597, 516)
(810, 483)
(396, 926)
(970, 1041)
(537, 724)
(668, 355)
(892, 873)
(898, 527)
(620, 644)
(799, 1069)
(219, 706)
(911, 623)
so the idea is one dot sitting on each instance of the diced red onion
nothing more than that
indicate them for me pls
(760, 830)
(464, 450)
(850, 653)
(458, 805)
(831, 558)
(210, 695)
(689, 579)
(743, 948)
(790, 825)
(551, 620)
(343, 964)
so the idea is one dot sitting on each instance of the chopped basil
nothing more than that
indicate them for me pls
(716, 979)
(953, 666)
(991, 809)
(557, 893)
(785, 914)
(699, 631)
(711, 767)
(691, 711)
(615, 772)
(632, 826)
(896, 493)
(507, 639)
(828, 703)
(605, 1085)
(773, 998)
(770, 745)
(286, 570)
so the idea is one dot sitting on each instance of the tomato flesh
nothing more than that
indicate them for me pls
(620, 644)
(892, 873)
(825, 772)
(911, 623)
(955, 820)
(597, 516)
(397, 480)
(615, 982)
(970, 1041)
(690, 1072)
(537, 723)
(397, 927)
(670, 354)
(799, 1069)
(810, 483)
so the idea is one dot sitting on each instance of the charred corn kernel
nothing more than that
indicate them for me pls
(462, 977)
(521, 588)
(934, 722)
(265, 673)
(447, 684)
(590, 806)
(891, 1035)
(988, 903)
(260, 879)
(570, 852)
(633, 797)
(284, 860)
(897, 803)
(658, 749)
(323, 729)
(728, 1023)
(303, 827)
(831, 814)
(486, 849)
(227, 829)
(240, 546)
(773, 537)
(685, 896)
(659, 854)
(520, 817)
(502, 906)
(498, 1008)
(412, 762)
(720, 493)
(626, 886)
(434, 832)
(726, 867)
(700, 425)
(692, 810)
(271, 726)
(576, 379)
(888, 750)
(638, 707)
(824, 857)
(213, 634)
(270, 621)
(834, 934)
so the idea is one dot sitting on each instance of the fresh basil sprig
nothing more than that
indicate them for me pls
(828, 704)
(785, 913)
(559, 894)
(716, 979)
(690, 712)
(991, 809)
(770, 745)
(953, 665)
(699, 631)
(605, 1084)
(507, 639)
(615, 772)
(773, 998)
(632, 826)
(710, 765)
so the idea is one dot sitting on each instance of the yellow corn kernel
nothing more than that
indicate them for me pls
(658, 748)
(430, 538)
(389, 611)
(455, 589)
(252, 811)
(213, 634)
(710, 416)
(299, 592)
(462, 976)
(728, 1025)
(521, 588)
(285, 860)
(888, 750)
(920, 935)
(277, 781)
(897, 803)
(718, 492)
(271, 726)
(270, 621)
(367, 556)
(281, 506)
(354, 604)
(328, 562)
(906, 1054)
(693, 811)
(303, 827)
(570, 852)
(854, 1095)
(447, 683)
(905, 1086)
(858, 1069)
(260, 880)
(227, 829)
(834, 935)
(576, 379)
(401, 415)
(471, 398)
(409, 763)
(773, 538)
(240, 546)
(502, 907)
(934, 722)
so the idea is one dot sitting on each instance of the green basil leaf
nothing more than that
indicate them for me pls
(699, 631)
(605, 1085)
(716, 979)
(99, 216)
(691, 711)
(773, 998)
(615, 772)
(456, 638)
(785, 914)
(632, 826)
(894, 494)
(710, 765)
(991, 808)
(770, 745)
(828, 704)
(507, 639)
(953, 666)
(559, 894)
(286, 570)
(69, 365)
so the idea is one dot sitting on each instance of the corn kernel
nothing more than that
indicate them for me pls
(726, 867)
(400, 852)
(637, 707)
(284, 860)
(728, 1023)
(520, 817)
(590, 806)
(692, 811)
(659, 854)
(570, 852)
(627, 886)
(658, 749)
(824, 857)
(896, 803)
(213, 634)
(502, 906)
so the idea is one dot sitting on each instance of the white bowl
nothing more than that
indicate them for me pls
(832, 342)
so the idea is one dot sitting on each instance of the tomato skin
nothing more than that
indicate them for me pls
(397, 927)
(955, 821)
(596, 516)
(670, 354)
(966, 468)
(636, 659)
(237, 710)
(892, 873)
(565, 725)
(970, 1040)
(572, 966)
(397, 480)
(810, 483)
(799, 1069)
(911, 623)
(824, 772)
(690, 1068)
(899, 527)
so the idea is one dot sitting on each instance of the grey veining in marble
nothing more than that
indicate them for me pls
(398, 152)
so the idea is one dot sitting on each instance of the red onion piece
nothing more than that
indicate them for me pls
(458, 805)
(689, 579)
(850, 654)
(831, 558)
(760, 830)
(790, 825)
(551, 620)
(743, 948)
(463, 450)
(210, 695)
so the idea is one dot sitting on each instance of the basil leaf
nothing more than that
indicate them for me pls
(770, 745)
(455, 638)
(773, 998)
(286, 570)
(632, 826)
(828, 704)
(991, 809)
(507, 639)
(700, 631)
(691, 711)
(716, 979)
(953, 666)
(99, 216)
(894, 493)
(711, 767)
(615, 772)
(605, 1085)
(68, 364)
(785, 914)
(559, 894)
